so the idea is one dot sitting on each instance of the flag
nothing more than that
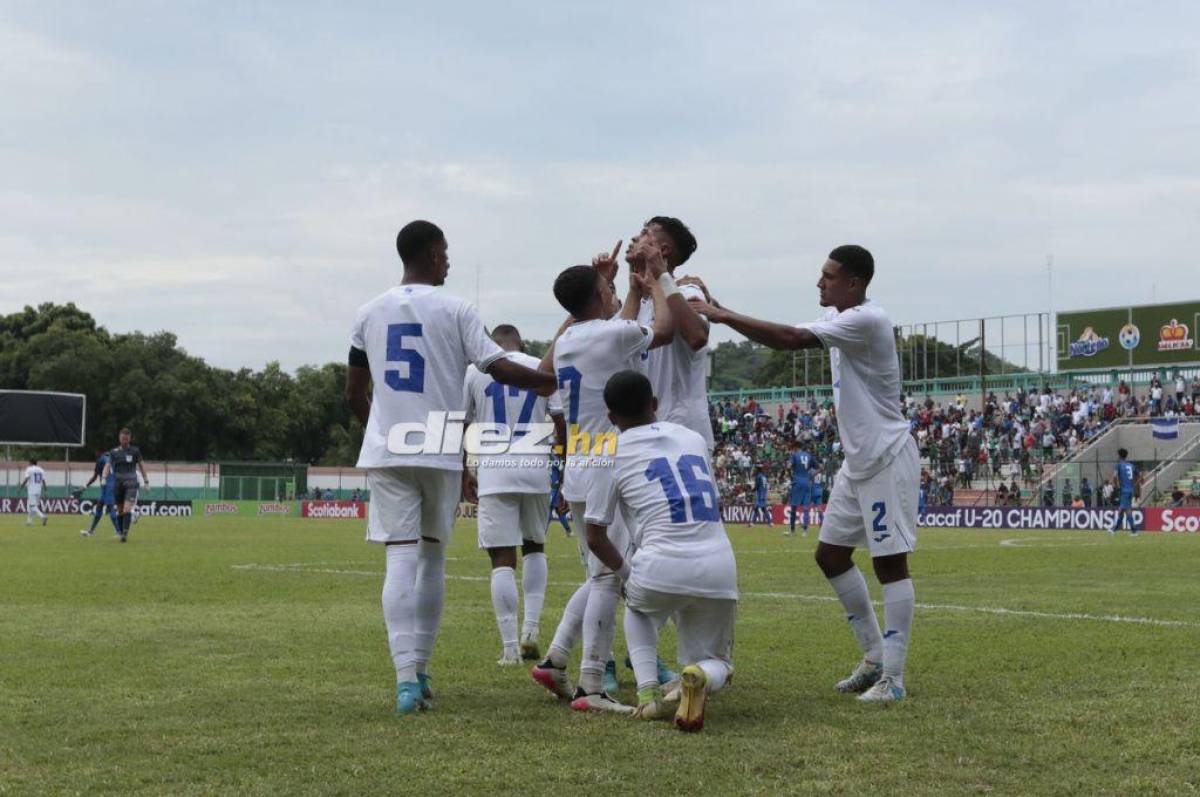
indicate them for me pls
(1165, 428)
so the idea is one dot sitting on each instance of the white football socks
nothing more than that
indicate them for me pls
(851, 589)
(898, 602)
(599, 629)
(504, 602)
(641, 635)
(534, 574)
(570, 626)
(716, 673)
(399, 608)
(431, 595)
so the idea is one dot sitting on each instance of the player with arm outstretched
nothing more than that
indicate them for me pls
(414, 342)
(873, 503)
(124, 464)
(513, 497)
(588, 351)
(1124, 477)
(107, 501)
(680, 564)
(35, 478)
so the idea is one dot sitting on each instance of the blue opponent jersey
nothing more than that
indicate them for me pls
(1125, 474)
(101, 462)
(802, 467)
(760, 485)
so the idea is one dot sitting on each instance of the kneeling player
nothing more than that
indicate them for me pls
(682, 565)
(513, 497)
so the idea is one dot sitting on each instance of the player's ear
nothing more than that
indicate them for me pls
(612, 418)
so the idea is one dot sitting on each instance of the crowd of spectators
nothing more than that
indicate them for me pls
(1005, 447)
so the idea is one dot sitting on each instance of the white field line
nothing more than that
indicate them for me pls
(942, 607)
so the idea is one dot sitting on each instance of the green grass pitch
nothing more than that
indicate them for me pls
(225, 655)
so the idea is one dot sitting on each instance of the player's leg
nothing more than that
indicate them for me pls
(119, 491)
(534, 571)
(599, 627)
(394, 519)
(552, 672)
(97, 513)
(890, 503)
(646, 612)
(842, 530)
(440, 494)
(706, 644)
(499, 535)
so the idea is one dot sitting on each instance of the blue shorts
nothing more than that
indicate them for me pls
(1126, 501)
(817, 495)
(760, 503)
(801, 494)
(107, 498)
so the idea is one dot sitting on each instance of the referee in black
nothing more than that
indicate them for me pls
(125, 461)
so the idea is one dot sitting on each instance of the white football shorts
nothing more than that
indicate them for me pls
(408, 503)
(704, 625)
(508, 519)
(879, 513)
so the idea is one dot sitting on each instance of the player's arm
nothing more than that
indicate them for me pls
(600, 545)
(358, 384)
(22, 484)
(107, 471)
(507, 372)
(690, 325)
(774, 336)
(663, 328)
(142, 467)
(547, 362)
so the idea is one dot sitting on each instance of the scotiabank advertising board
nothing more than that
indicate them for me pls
(337, 510)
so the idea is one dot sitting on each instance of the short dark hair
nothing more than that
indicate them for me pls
(33, 462)
(124, 430)
(415, 237)
(574, 288)
(681, 237)
(856, 261)
(506, 331)
(1122, 453)
(628, 394)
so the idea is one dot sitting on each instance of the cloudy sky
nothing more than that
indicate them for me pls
(236, 172)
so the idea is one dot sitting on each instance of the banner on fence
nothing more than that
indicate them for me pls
(247, 508)
(85, 506)
(344, 510)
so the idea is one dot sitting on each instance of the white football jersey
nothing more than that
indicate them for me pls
(489, 402)
(662, 484)
(36, 478)
(866, 385)
(677, 375)
(586, 355)
(419, 342)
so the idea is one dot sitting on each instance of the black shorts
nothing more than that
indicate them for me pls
(125, 491)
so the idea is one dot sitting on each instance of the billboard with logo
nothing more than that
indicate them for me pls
(1129, 337)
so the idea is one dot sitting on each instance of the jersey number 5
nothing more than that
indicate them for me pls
(396, 353)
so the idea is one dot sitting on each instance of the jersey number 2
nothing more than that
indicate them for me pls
(396, 353)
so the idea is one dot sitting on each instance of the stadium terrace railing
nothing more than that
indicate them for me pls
(1138, 379)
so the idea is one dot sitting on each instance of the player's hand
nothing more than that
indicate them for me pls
(606, 263)
(718, 315)
(699, 283)
(652, 261)
(561, 506)
(470, 488)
